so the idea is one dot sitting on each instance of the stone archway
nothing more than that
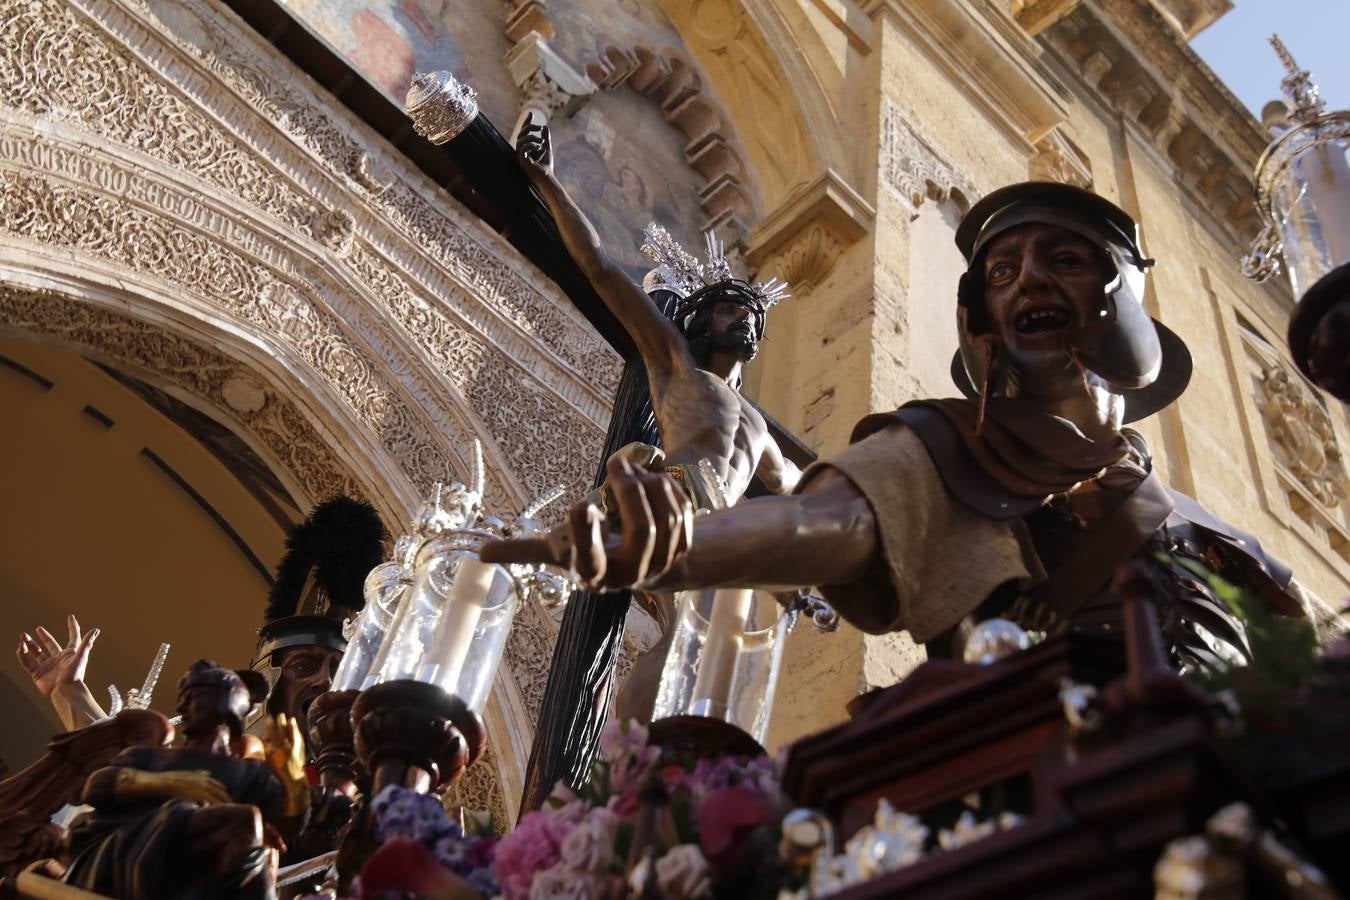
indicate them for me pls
(222, 387)
(161, 165)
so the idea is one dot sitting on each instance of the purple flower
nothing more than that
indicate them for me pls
(400, 812)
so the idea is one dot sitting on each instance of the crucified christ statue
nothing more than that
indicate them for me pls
(693, 364)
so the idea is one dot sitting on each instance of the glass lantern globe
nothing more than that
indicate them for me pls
(451, 627)
(384, 589)
(724, 658)
(1306, 175)
(1302, 185)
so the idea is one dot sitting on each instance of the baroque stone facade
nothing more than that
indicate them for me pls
(165, 173)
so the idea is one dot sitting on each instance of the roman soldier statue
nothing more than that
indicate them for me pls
(318, 588)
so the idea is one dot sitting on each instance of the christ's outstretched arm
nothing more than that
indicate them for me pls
(658, 341)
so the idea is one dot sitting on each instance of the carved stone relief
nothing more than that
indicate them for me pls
(1304, 440)
(182, 168)
(478, 790)
(910, 168)
(1059, 159)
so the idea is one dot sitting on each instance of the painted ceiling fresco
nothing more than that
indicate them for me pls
(617, 155)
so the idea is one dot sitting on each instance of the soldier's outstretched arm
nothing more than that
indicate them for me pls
(826, 535)
(657, 339)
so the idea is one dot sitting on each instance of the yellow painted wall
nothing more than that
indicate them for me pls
(92, 526)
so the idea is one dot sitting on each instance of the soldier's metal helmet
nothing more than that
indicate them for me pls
(1144, 360)
(319, 582)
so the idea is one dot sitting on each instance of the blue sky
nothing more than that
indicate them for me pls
(1315, 31)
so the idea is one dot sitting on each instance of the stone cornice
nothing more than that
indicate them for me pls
(800, 240)
(1132, 60)
(1167, 51)
(985, 51)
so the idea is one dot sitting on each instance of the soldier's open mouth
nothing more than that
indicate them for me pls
(1041, 319)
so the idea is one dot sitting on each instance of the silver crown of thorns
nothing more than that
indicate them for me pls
(680, 273)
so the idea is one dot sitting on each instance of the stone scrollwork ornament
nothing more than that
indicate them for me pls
(441, 106)
(1303, 435)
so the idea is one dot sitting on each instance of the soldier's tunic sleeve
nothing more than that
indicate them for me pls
(940, 559)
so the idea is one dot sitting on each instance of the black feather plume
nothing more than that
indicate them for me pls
(344, 538)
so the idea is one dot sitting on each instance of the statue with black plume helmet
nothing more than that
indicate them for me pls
(318, 589)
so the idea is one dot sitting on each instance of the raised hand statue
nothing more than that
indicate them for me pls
(58, 672)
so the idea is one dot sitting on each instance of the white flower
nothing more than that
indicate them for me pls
(683, 874)
(559, 883)
(589, 847)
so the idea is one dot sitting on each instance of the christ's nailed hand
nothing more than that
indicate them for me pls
(534, 147)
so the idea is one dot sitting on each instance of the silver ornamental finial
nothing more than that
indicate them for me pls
(538, 503)
(456, 506)
(441, 106)
(546, 585)
(1305, 105)
(994, 639)
(147, 691)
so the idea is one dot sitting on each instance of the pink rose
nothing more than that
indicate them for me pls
(534, 845)
(560, 883)
(683, 874)
(725, 819)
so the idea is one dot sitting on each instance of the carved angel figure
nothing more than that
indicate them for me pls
(28, 798)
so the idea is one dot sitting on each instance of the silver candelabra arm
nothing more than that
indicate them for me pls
(114, 700)
(806, 602)
(1262, 261)
(144, 695)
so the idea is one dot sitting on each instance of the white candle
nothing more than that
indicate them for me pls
(444, 660)
(717, 663)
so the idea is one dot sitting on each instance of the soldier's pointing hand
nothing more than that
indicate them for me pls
(657, 523)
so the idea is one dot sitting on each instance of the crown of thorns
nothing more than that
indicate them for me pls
(696, 283)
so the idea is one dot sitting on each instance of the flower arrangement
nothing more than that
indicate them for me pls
(647, 823)
(424, 852)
